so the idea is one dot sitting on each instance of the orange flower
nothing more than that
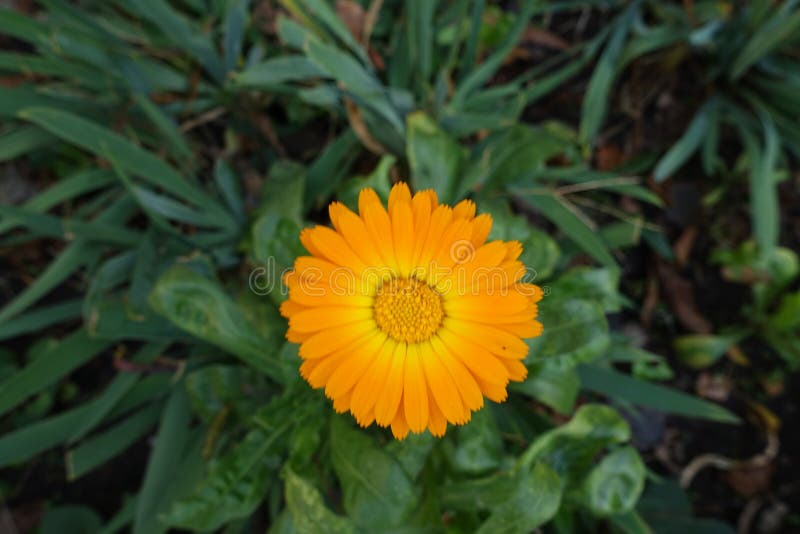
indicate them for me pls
(408, 317)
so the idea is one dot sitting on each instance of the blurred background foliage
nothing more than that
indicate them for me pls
(154, 155)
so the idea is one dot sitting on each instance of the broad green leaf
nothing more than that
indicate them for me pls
(534, 502)
(699, 351)
(481, 493)
(615, 484)
(378, 180)
(600, 285)
(434, 157)
(283, 192)
(540, 254)
(308, 510)
(199, 306)
(570, 448)
(412, 452)
(620, 386)
(575, 227)
(478, 447)
(575, 331)
(377, 493)
(552, 384)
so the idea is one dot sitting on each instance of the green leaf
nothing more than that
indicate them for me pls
(237, 482)
(787, 316)
(534, 502)
(276, 71)
(72, 519)
(100, 449)
(489, 66)
(699, 351)
(54, 364)
(552, 384)
(595, 102)
(171, 441)
(540, 253)
(575, 331)
(40, 318)
(478, 447)
(215, 388)
(356, 80)
(378, 180)
(182, 32)
(23, 444)
(308, 510)
(122, 384)
(330, 168)
(510, 156)
(571, 448)
(235, 22)
(600, 285)
(128, 156)
(435, 158)
(620, 386)
(689, 142)
(615, 484)
(20, 141)
(764, 190)
(780, 29)
(377, 493)
(199, 306)
(555, 209)
(65, 189)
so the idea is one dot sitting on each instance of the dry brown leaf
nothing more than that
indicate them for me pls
(353, 16)
(750, 480)
(680, 295)
(607, 157)
(542, 37)
(683, 245)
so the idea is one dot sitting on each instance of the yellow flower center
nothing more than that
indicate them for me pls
(408, 310)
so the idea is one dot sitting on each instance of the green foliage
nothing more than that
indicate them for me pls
(164, 132)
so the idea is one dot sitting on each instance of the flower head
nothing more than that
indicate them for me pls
(408, 317)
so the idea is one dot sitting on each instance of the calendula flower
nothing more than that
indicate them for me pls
(409, 317)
